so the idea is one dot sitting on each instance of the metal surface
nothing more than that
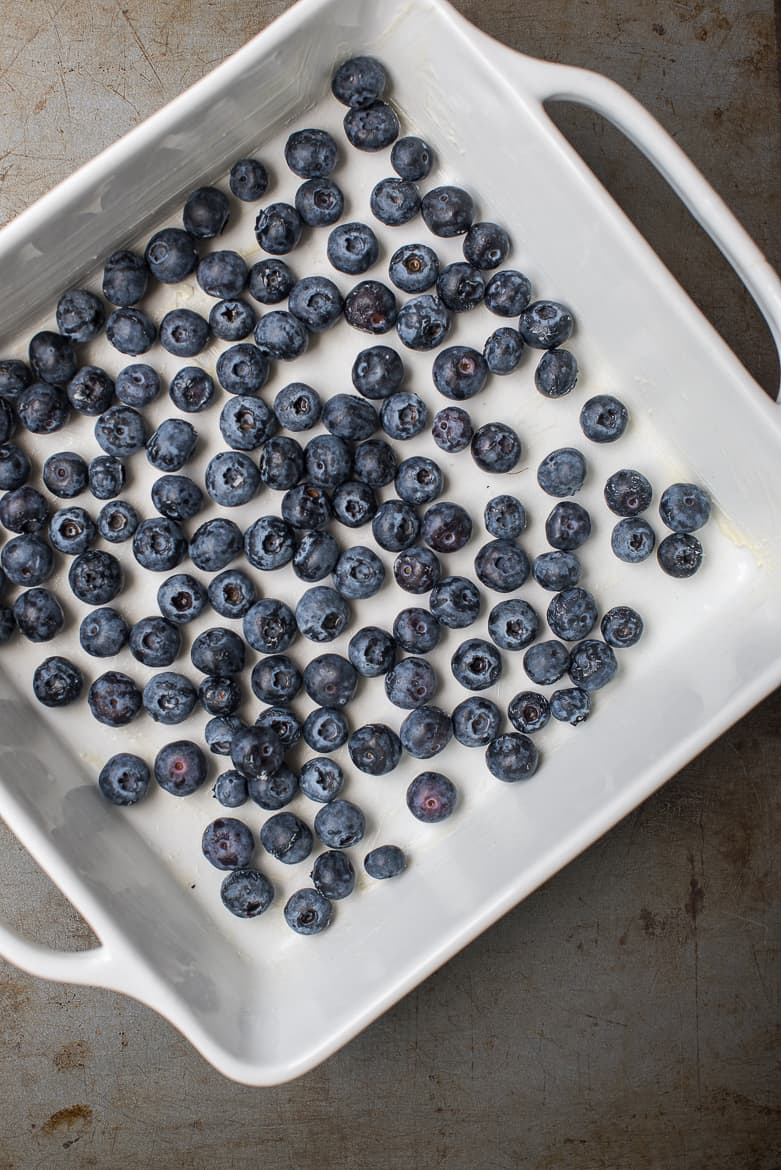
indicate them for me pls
(628, 1013)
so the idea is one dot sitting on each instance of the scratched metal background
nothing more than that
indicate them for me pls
(626, 1015)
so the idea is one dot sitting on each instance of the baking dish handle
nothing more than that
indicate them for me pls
(93, 968)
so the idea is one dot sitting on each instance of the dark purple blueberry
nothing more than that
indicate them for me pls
(232, 319)
(269, 626)
(42, 409)
(181, 598)
(377, 372)
(319, 202)
(37, 613)
(321, 614)
(503, 350)
(508, 293)
(159, 544)
(15, 375)
(125, 278)
(114, 699)
(570, 705)
(486, 245)
(276, 679)
(546, 662)
(447, 211)
(330, 680)
(359, 572)
(476, 721)
(333, 875)
(374, 463)
(248, 179)
(417, 569)
(557, 374)
(512, 757)
(425, 732)
(23, 510)
(222, 274)
(308, 912)
(418, 480)
(95, 577)
(451, 429)
(124, 779)
(206, 213)
(311, 154)
(460, 287)
(172, 444)
(274, 792)
(246, 893)
(270, 281)
(349, 417)
(431, 797)
(455, 602)
(228, 843)
(680, 554)
(220, 694)
(136, 385)
(374, 749)
(15, 467)
(593, 664)
(414, 268)
(169, 697)
(446, 527)
(394, 201)
(340, 824)
(177, 497)
(326, 729)
(103, 633)
(546, 324)
(513, 624)
(684, 507)
(603, 418)
(568, 526)
(281, 336)
(316, 302)
(278, 228)
(502, 565)
(476, 664)
(411, 683)
(57, 682)
(372, 651)
(121, 431)
(52, 357)
(371, 307)
(628, 492)
(528, 711)
(191, 389)
(412, 158)
(154, 641)
(416, 630)
(459, 372)
(386, 861)
(256, 752)
(215, 544)
(131, 331)
(80, 315)
(242, 369)
(621, 627)
(65, 474)
(269, 543)
(27, 560)
(562, 472)
(180, 767)
(218, 651)
(286, 838)
(403, 415)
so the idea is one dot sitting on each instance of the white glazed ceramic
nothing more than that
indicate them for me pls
(260, 1003)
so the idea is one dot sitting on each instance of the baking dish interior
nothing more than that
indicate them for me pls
(252, 996)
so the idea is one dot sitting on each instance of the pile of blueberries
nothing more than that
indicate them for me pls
(335, 477)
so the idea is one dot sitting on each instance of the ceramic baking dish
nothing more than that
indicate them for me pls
(261, 1004)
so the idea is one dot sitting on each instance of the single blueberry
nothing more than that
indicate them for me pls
(395, 525)
(403, 415)
(15, 467)
(621, 626)
(231, 593)
(246, 422)
(72, 531)
(136, 385)
(316, 556)
(103, 633)
(219, 732)
(680, 554)
(451, 429)
(556, 373)
(270, 281)
(23, 510)
(328, 460)
(297, 407)
(414, 268)
(184, 333)
(372, 651)
(159, 544)
(431, 797)
(359, 572)
(80, 315)
(349, 417)
(65, 475)
(632, 539)
(114, 699)
(91, 390)
(340, 824)
(371, 307)
(325, 729)
(562, 472)
(377, 372)
(125, 278)
(228, 843)
(546, 662)
(446, 527)
(37, 613)
(269, 543)
(627, 492)
(177, 497)
(417, 569)
(311, 154)
(171, 445)
(504, 517)
(27, 560)
(131, 331)
(278, 228)
(154, 642)
(206, 213)
(169, 697)
(418, 480)
(459, 372)
(57, 682)
(330, 680)
(124, 779)
(232, 319)
(371, 127)
(476, 664)
(180, 768)
(529, 711)
(502, 565)
(319, 202)
(513, 624)
(248, 179)
(460, 287)
(354, 503)
(52, 357)
(358, 82)
(568, 526)
(316, 302)
(412, 158)
(95, 577)
(42, 409)
(476, 721)
(447, 211)
(215, 544)
(269, 626)
(486, 245)
(276, 679)
(603, 418)
(218, 651)
(684, 507)
(321, 614)
(503, 350)
(386, 861)
(417, 630)
(15, 376)
(545, 324)
(191, 389)
(308, 912)
(512, 757)
(282, 336)
(256, 753)
(571, 705)
(220, 694)
(572, 614)
(423, 322)
(121, 431)
(333, 875)
(394, 201)
(246, 892)
(231, 478)
(283, 722)
(374, 749)
(220, 274)
(411, 683)
(321, 779)
(455, 602)
(374, 463)
(306, 506)
(275, 791)
(556, 570)
(593, 664)
(181, 598)
(508, 293)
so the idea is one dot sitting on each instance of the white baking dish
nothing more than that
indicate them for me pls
(261, 1004)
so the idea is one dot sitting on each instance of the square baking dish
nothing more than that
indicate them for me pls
(261, 1004)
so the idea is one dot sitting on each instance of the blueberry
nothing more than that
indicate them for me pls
(503, 351)
(23, 510)
(57, 682)
(684, 507)
(95, 577)
(180, 768)
(219, 732)
(513, 624)
(269, 543)
(416, 630)
(72, 531)
(568, 526)
(15, 467)
(571, 705)
(411, 683)
(451, 429)
(159, 544)
(308, 912)
(431, 797)
(354, 504)
(386, 861)
(476, 664)
(114, 699)
(508, 293)
(231, 479)
(593, 664)
(136, 385)
(545, 324)
(359, 572)
(246, 892)
(377, 372)
(447, 211)
(372, 651)
(246, 422)
(556, 570)
(91, 390)
(220, 274)
(394, 201)
(546, 662)
(412, 158)
(374, 749)
(103, 633)
(286, 838)
(627, 492)
(325, 729)
(274, 792)
(423, 322)
(15, 376)
(169, 697)
(403, 415)
(124, 779)
(358, 82)
(371, 127)
(371, 307)
(227, 843)
(418, 480)
(181, 598)
(459, 372)
(632, 539)
(504, 517)
(281, 462)
(349, 417)
(417, 570)
(154, 641)
(311, 154)
(413, 268)
(232, 319)
(42, 409)
(486, 245)
(177, 497)
(7, 420)
(215, 544)
(131, 331)
(680, 554)
(282, 336)
(330, 680)
(278, 228)
(562, 472)
(248, 179)
(171, 445)
(328, 460)
(206, 213)
(276, 679)
(319, 202)
(572, 614)
(455, 602)
(269, 626)
(64, 474)
(218, 651)
(321, 614)
(603, 418)
(297, 407)
(80, 315)
(184, 333)
(460, 287)
(27, 560)
(321, 779)
(476, 721)
(37, 613)
(502, 565)
(52, 358)
(270, 281)
(621, 627)
(374, 463)
(220, 694)
(316, 302)
(446, 527)
(191, 389)
(121, 431)
(125, 278)
(556, 373)
(529, 711)
(231, 593)
(512, 757)
(395, 525)
(340, 824)
(256, 753)
(333, 875)
(306, 506)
